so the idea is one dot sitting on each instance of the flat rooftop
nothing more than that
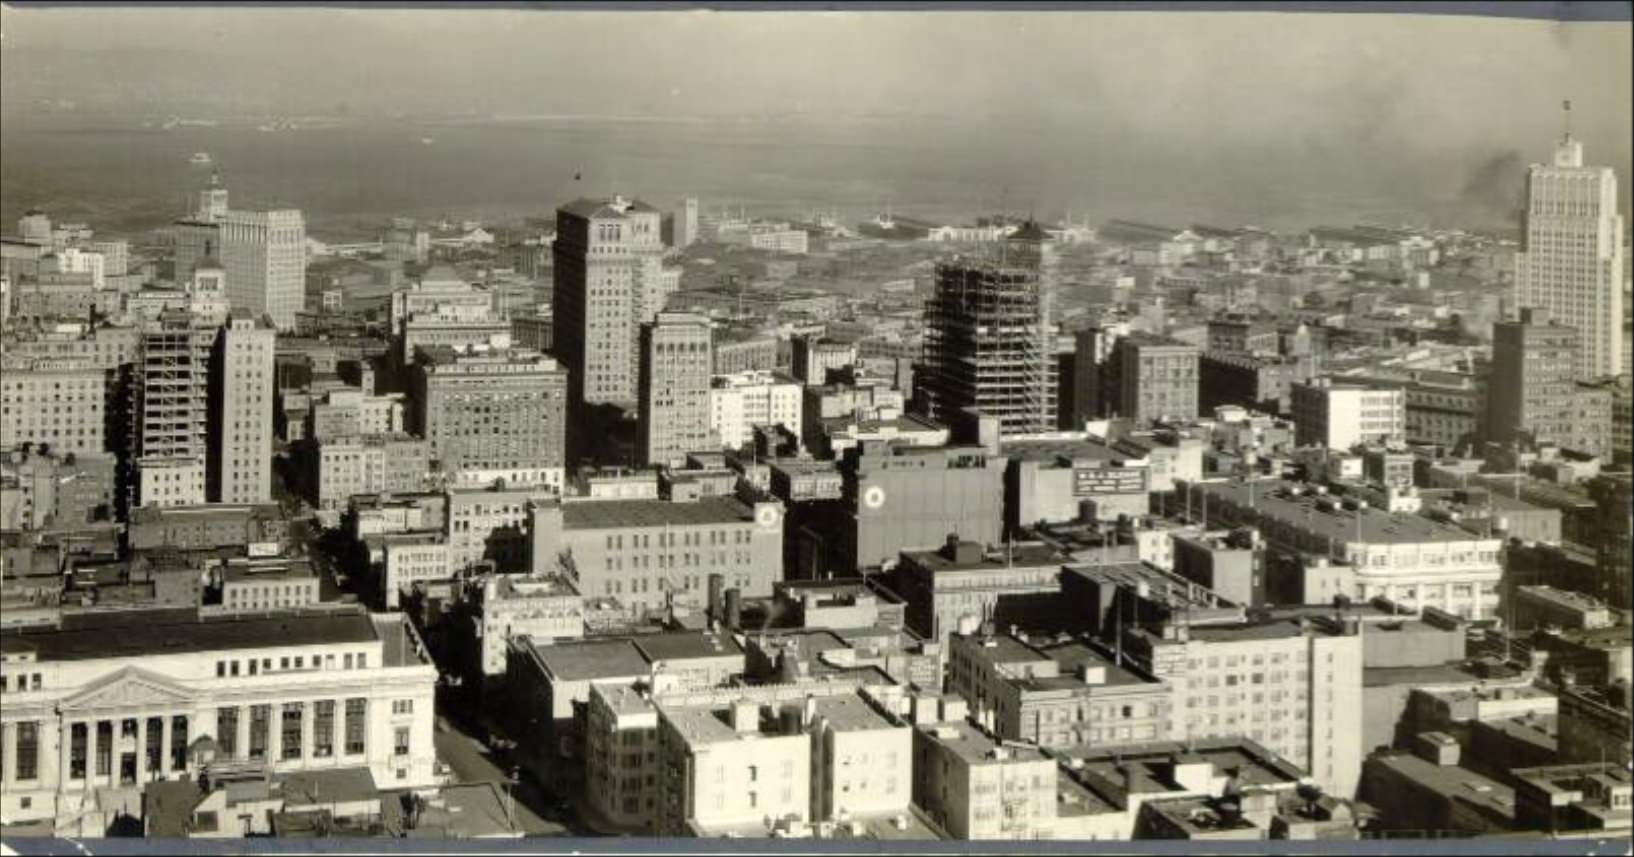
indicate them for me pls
(851, 713)
(686, 645)
(975, 746)
(1369, 525)
(1050, 450)
(1019, 556)
(1149, 765)
(592, 659)
(614, 514)
(138, 633)
(1452, 781)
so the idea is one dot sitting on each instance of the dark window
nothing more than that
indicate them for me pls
(227, 732)
(293, 714)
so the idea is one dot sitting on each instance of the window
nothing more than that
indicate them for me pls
(356, 729)
(292, 717)
(227, 731)
(323, 728)
(28, 751)
(402, 706)
(260, 724)
(400, 744)
(77, 740)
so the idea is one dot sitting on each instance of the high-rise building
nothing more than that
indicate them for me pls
(990, 339)
(674, 381)
(1572, 261)
(491, 416)
(608, 281)
(1339, 416)
(1534, 367)
(686, 223)
(239, 468)
(171, 410)
(262, 252)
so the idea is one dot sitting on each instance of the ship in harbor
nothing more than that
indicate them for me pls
(893, 228)
(201, 159)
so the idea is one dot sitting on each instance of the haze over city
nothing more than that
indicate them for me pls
(1247, 116)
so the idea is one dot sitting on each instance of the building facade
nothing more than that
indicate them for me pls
(1572, 261)
(674, 388)
(239, 466)
(989, 337)
(126, 701)
(495, 416)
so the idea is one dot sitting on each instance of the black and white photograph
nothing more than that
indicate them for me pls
(841, 428)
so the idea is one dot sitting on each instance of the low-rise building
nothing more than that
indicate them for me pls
(1056, 694)
(975, 786)
(965, 582)
(649, 552)
(117, 700)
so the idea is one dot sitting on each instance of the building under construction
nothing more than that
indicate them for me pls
(989, 336)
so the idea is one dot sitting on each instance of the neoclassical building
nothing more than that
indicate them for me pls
(97, 707)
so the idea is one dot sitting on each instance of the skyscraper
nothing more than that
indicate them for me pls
(262, 252)
(989, 337)
(608, 281)
(171, 409)
(1572, 261)
(239, 466)
(686, 223)
(674, 384)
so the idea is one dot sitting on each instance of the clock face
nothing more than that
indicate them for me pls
(767, 517)
(874, 497)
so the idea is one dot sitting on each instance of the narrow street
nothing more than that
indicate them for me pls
(470, 762)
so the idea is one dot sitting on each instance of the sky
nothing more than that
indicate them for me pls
(1355, 91)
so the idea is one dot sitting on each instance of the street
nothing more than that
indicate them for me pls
(470, 762)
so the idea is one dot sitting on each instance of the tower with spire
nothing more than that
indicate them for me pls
(210, 203)
(1571, 262)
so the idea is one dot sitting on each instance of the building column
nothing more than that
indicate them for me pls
(167, 732)
(92, 727)
(65, 745)
(275, 733)
(8, 752)
(141, 748)
(309, 728)
(243, 733)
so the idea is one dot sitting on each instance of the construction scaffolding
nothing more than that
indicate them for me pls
(989, 337)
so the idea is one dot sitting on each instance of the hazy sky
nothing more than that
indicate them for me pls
(1353, 90)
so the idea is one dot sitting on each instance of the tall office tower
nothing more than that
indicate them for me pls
(608, 282)
(491, 416)
(171, 409)
(262, 252)
(1533, 383)
(686, 223)
(674, 381)
(989, 336)
(1572, 261)
(1156, 379)
(239, 464)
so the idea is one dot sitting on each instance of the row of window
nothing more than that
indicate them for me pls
(286, 663)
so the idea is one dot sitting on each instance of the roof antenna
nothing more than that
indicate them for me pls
(1567, 109)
